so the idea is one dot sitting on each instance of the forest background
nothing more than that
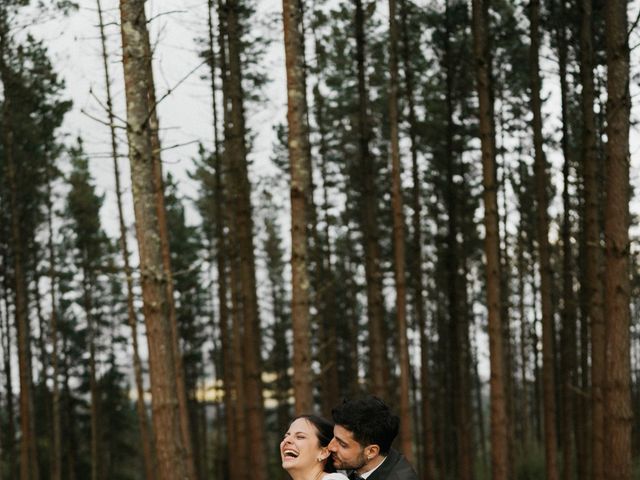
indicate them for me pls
(431, 202)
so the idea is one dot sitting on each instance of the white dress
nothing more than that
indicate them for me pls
(334, 476)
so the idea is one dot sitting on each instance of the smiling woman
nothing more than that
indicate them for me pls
(304, 452)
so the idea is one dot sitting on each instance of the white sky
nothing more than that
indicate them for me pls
(185, 115)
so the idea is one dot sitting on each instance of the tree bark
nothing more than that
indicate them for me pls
(499, 433)
(221, 255)
(235, 378)
(156, 148)
(404, 411)
(143, 421)
(28, 450)
(241, 202)
(568, 357)
(524, 401)
(617, 405)
(378, 363)
(56, 454)
(592, 283)
(415, 266)
(5, 333)
(94, 393)
(458, 326)
(325, 291)
(172, 457)
(298, 144)
(540, 168)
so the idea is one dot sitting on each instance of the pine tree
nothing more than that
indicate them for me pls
(617, 400)
(90, 244)
(541, 176)
(499, 421)
(172, 458)
(300, 163)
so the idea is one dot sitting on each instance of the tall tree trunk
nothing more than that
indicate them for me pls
(156, 148)
(148, 455)
(524, 407)
(96, 450)
(298, 143)
(56, 453)
(456, 283)
(327, 291)
(5, 336)
(28, 450)
(234, 353)
(618, 413)
(69, 425)
(172, 457)
(241, 202)
(406, 441)
(499, 433)
(537, 375)
(221, 254)
(568, 331)
(416, 265)
(42, 378)
(378, 363)
(592, 283)
(326, 282)
(540, 167)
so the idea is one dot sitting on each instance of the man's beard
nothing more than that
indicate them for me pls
(357, 464)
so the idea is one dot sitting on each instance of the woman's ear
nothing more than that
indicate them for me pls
(324, 454)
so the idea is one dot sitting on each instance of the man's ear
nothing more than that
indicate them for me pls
(371, 451)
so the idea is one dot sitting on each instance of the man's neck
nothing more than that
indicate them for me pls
(371, 465)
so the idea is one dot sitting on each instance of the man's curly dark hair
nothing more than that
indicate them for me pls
(370, 420)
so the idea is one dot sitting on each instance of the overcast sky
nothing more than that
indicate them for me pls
(185, 115)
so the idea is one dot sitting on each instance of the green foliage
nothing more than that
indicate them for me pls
(530, 464)
(186, 245)
(83, 205)
(33, 92)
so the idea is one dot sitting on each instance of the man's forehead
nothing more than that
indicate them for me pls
(342, 433)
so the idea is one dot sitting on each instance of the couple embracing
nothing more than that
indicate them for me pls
(358, 444)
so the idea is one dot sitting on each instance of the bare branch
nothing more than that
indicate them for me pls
(104, 122)
(633, 26)
(176, 145)
(170, 90)
(105, 107)
(155, 17)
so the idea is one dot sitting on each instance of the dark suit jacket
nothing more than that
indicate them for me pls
(395, 467)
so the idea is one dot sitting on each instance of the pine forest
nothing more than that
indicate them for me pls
(218, 214)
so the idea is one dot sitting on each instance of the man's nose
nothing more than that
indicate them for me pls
(331, 446)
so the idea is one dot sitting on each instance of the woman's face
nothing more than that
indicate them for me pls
(300, 448)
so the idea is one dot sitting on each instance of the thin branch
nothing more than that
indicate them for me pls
(103, 122)
(633, 26)
(171, 90)
(155, 17)
(106, 108)
(176, 145)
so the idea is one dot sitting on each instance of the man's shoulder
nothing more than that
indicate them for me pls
(397, 468)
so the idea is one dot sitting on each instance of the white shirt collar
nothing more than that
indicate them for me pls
(366, 475)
